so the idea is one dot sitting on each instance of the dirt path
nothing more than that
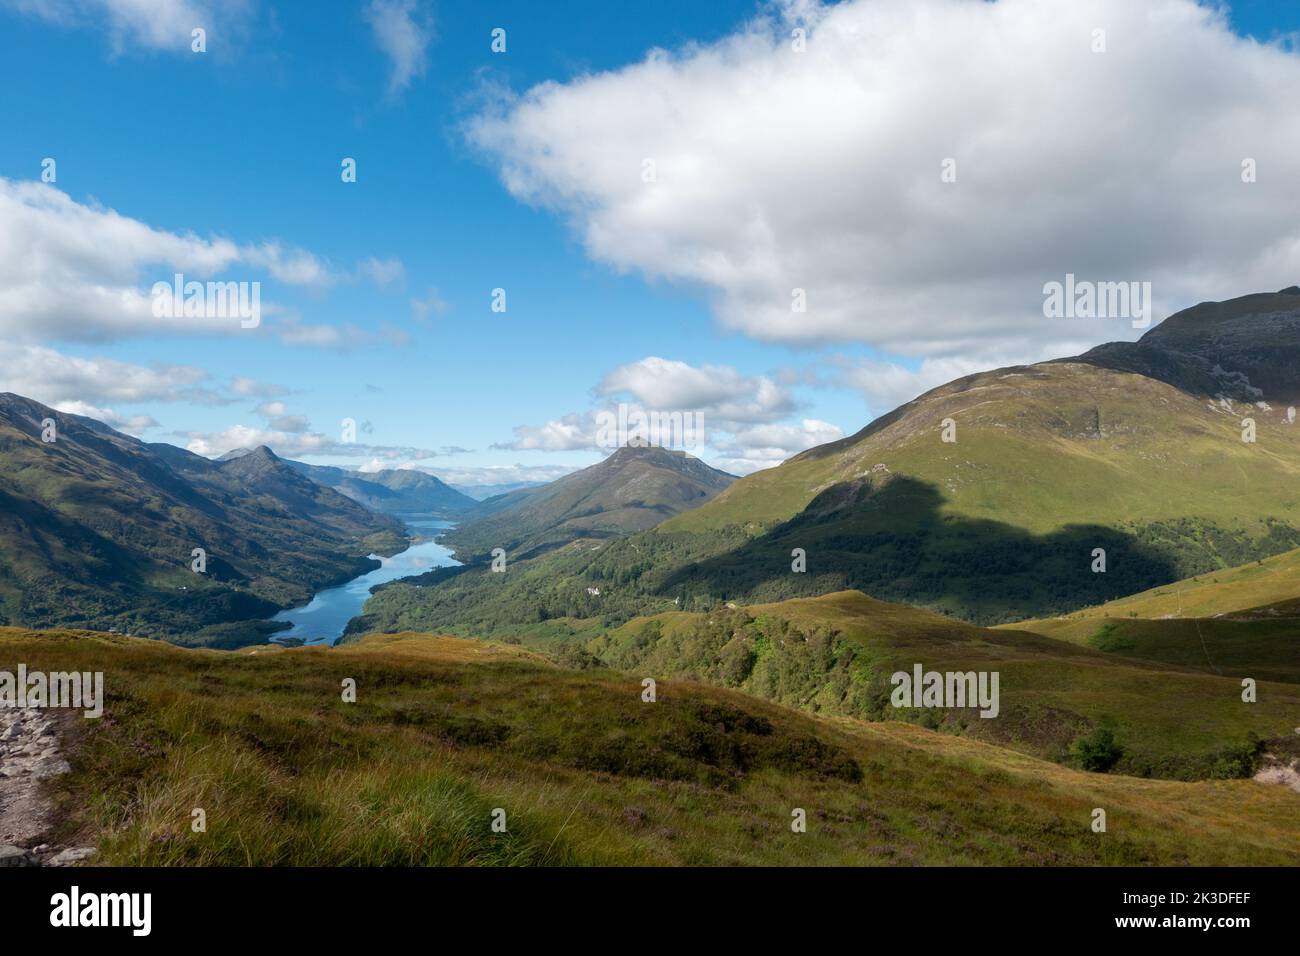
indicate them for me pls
(29, 753)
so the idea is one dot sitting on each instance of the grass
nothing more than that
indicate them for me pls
(1243, 620)
(1272, 582)
(834, 654)
(445, 731)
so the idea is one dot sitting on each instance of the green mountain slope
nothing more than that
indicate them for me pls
(1075, 441)
(631, 490)
(97, 528)
(444, 733)
(1244, 620)
(1266, 587)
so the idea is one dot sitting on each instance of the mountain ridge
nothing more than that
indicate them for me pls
(99, 528)
(633, 489)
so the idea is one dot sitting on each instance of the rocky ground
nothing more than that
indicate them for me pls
(30, 751)
(1278, 771)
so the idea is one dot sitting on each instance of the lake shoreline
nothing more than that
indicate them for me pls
(324, 620)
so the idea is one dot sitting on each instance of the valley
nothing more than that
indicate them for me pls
(1087, 544)
(1129, 449)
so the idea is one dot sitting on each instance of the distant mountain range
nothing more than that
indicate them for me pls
(405, 492)
(400, 492)
(483, 492)
(98, 530)
(990, 498)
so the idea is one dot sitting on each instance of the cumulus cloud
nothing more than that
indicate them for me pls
(402, 30)
(50, 376)
(58, 379)
(76, 272)
(570, 433)
(886, 385)
(741, 414)
(720, 393)
(765, 446)
(775, 170)
(131, 424)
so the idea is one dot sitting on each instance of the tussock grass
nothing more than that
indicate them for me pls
(444, 731)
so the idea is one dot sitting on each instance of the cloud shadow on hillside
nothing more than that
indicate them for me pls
(890, 540)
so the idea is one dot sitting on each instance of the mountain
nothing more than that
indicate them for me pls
(400, 492)
(1133, 450)
(484, 492)
(631, 490)
(98, 528)
(588, 774)
(1246, 349)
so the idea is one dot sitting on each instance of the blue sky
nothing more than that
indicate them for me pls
(463, 187)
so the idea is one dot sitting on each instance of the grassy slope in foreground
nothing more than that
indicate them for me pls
(1244, 619)
(445, 730)
(835, 654)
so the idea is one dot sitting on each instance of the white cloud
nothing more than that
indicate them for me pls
(382, 272)
(726, 400)
(154, 24)
(432, 304)
(131, 424)
(886, 385)
(402, 30)
(76, 272)
(278, 418)
(765, 446)
(720, 393)
(742, 414)
(570, 433)
(820, 170)
(51, 377)
(254, 389)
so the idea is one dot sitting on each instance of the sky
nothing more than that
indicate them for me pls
(785, 218)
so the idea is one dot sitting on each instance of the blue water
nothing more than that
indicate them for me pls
(322, 620)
